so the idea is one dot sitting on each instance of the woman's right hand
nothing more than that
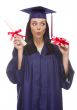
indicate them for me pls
(19, 42)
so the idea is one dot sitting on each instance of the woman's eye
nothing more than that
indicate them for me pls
(42, 24)
(34, 24)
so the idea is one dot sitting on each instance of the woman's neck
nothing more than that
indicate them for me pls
(38, 43)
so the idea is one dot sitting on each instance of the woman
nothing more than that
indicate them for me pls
(39, 68)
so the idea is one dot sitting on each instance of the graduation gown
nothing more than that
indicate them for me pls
(40, 80)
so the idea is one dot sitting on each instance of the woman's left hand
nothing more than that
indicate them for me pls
(64, 50)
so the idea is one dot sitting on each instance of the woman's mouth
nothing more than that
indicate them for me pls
(38, 33)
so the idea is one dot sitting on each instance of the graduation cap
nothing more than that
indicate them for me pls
(40, 12)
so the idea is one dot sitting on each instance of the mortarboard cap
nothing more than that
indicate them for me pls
(39, 12)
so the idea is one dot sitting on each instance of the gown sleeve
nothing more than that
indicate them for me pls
(68, 77)
(15, 75)
(65, 80)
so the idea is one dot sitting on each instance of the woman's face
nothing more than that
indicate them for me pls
(38, 27)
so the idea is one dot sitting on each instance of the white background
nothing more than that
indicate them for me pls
(65, 25)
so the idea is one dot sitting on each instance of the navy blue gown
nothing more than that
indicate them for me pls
(40, 80)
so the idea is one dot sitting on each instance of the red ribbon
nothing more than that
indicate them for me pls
(59, 41)
(16, 33)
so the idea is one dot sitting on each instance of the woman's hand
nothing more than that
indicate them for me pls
(19, 42)
(65, 52)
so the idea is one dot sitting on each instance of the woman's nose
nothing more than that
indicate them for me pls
(38, 27)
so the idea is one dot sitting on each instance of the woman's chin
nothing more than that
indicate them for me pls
(38, 37)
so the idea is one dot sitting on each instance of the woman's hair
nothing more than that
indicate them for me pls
(30, 48)
(30, 36)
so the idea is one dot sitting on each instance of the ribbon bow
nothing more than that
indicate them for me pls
(15, 33)
(59, 41)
